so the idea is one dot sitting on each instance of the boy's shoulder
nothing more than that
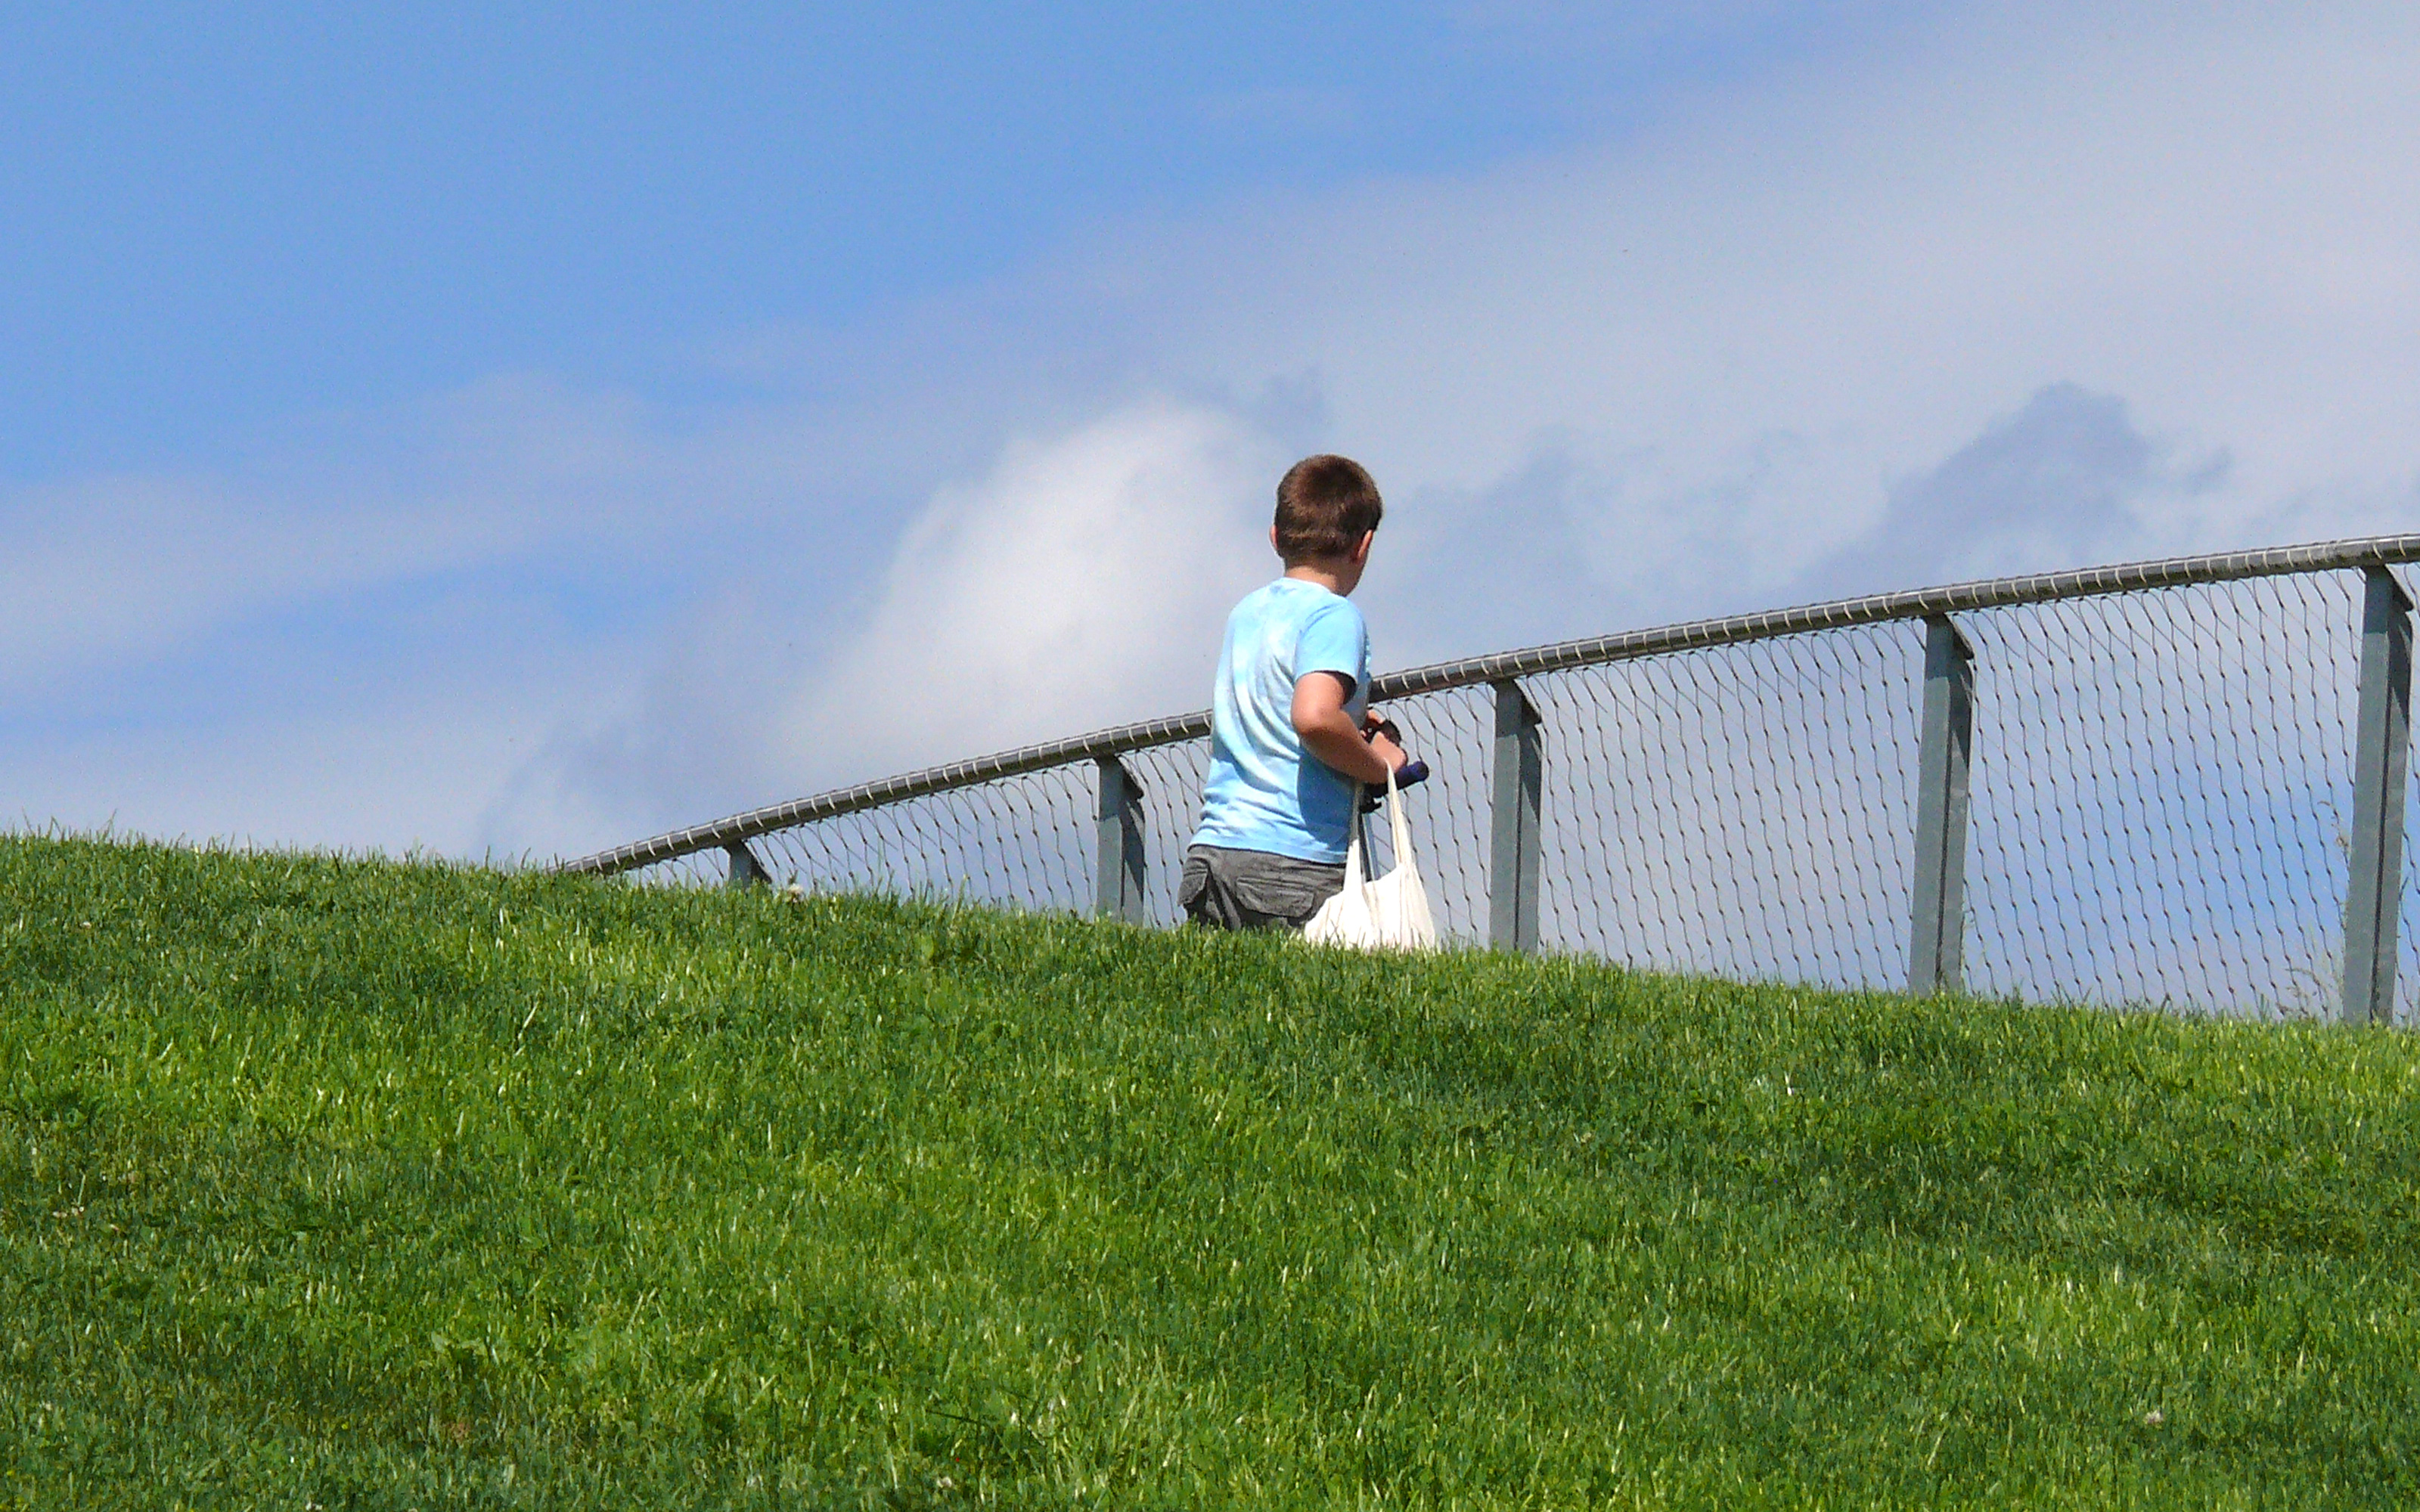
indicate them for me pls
(1300, 626)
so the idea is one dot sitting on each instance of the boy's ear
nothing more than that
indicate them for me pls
(1360, 548)
(1273, 541)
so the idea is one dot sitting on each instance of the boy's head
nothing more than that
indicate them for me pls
(1326, 506)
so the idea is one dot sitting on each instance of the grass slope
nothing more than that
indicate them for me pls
(350, 1184)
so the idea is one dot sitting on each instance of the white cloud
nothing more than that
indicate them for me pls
(1740, 335)
(1081, 583)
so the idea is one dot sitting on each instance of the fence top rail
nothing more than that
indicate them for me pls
(1563, 655)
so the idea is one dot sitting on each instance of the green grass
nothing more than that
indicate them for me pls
(339, 1183)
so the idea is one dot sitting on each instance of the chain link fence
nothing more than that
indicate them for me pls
(2161, 783)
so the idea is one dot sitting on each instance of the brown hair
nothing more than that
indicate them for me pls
(1326, 505)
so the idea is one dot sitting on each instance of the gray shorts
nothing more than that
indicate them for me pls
(1254, 889)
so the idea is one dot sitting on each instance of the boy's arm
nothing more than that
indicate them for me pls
(1330, 733)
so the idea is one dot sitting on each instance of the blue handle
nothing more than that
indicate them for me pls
(1411, 774)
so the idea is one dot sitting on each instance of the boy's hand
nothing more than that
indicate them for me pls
(1383, 738)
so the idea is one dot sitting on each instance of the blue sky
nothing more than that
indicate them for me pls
(511, 434)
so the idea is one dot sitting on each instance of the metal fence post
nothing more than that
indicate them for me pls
(2381, 745)
(746, 870)
(1118, 855)
(1514, 821)
(1937, 956)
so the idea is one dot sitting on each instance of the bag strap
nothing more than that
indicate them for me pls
(1356, 866)
(1399, 829)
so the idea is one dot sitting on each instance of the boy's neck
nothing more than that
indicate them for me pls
(1340, 575)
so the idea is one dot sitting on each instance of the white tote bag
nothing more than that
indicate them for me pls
(1390, 914)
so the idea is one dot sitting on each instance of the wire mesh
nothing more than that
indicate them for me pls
(698, 868)
(1019, 841)
(2163, 789)
(1744, 811)
(2161, 794)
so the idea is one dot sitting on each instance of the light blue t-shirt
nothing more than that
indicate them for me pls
(1264, 792)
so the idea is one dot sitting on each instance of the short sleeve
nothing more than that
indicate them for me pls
(1334, 639)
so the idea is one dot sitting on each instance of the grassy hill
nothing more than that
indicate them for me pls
(350, 1184)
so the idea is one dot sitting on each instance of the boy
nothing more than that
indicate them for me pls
(1291, 737)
